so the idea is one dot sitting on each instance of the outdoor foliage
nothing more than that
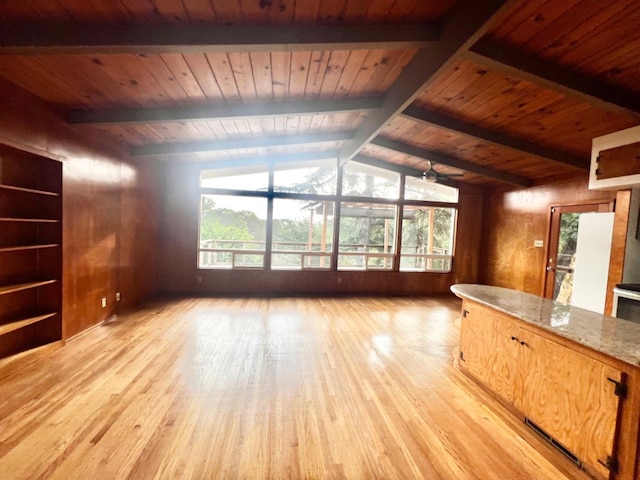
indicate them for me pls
(226, 224)
(568, 235)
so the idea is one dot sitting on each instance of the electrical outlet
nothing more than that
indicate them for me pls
(538, 243)
(117, 296)
(104, 302)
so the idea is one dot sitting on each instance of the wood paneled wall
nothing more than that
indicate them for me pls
(180, 239)
(514, 219)
(110, 213)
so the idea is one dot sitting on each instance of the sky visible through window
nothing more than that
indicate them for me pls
(285, 179)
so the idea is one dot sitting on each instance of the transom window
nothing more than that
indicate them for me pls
(297, 216)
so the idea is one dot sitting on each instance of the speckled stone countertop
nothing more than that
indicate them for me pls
(612, 336)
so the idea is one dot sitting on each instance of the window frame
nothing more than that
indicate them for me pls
(304, 253)
(270, 195)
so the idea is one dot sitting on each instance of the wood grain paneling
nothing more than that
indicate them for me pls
(139, 232)
(516, 108)
(513, 220)
(595, 38)
(618, 245)
(102, 244)
(128, 80)
(472, 150)
(243, 12)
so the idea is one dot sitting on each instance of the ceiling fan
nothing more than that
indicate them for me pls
(431, 175)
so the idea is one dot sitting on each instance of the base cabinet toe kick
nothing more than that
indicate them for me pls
(584, 401)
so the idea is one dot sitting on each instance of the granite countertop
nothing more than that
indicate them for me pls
(609, 335)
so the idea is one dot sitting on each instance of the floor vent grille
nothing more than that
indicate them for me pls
(564, 450)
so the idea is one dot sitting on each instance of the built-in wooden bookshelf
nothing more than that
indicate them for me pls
(30, 254)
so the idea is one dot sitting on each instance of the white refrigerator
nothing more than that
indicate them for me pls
(591, 271)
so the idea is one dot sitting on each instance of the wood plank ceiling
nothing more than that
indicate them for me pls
(507, 92)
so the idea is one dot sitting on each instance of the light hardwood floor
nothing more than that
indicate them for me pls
(206, 388)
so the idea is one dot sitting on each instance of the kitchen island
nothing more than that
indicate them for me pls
(572, 375)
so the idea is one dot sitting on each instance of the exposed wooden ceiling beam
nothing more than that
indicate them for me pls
(467, 21)
(453, 125)
(451, 161)
(554, 77)
(266, 160)
(181, 148)
(220, 112)
(42, 39)
(402, 169)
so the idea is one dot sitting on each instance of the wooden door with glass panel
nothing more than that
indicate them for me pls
(562, 248)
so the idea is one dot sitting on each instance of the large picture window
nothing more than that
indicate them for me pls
(294, 217)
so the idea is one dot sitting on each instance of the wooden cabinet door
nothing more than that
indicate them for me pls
(571, 397)
(487, 349)
(619, 161)
(475, 340)
(504, 365)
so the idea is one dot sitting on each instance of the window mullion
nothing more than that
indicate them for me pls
(398, 236)
(336, 220)
(268, 247)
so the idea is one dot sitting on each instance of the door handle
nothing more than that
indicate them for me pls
(550, 269)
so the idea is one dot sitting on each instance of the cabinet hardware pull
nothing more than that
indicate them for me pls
(465, 313)
(522, 342)
(620, 388)
(515, 339)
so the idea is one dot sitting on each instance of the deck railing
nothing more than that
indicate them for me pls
(243, 254)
